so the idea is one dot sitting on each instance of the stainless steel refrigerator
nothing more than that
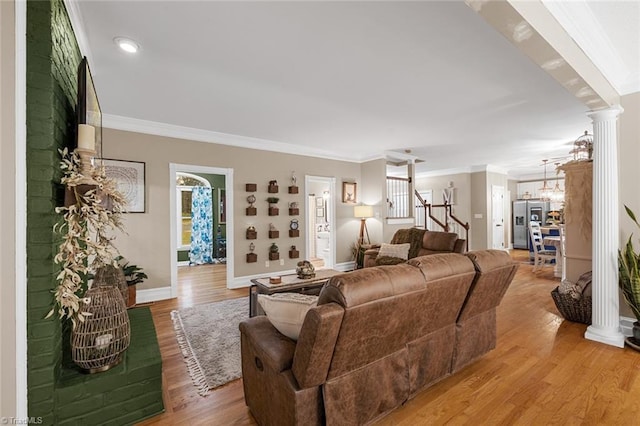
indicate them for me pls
(525, 211)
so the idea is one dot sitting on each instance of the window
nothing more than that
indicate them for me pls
(184, 184)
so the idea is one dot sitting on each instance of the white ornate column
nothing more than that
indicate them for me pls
(605, 327)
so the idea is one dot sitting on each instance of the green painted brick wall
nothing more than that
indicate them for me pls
(52, 62)
(57, 392)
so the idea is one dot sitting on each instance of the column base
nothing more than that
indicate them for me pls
(608, 337)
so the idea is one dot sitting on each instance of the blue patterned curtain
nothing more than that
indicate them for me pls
(201, 226)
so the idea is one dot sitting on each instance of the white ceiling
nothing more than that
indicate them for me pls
(342, 79)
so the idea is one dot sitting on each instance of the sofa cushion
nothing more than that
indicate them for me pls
(412, 236)
(401, 251)
(439, 241)
(286, 311)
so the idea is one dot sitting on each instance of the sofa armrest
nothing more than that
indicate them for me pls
(370, 256)
(460, 246)
(315, 346)
(270, 347)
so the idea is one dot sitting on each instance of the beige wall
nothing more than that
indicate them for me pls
(373, 193)
(478, 202)
(629, 173)
(7, 215)
(148, 241)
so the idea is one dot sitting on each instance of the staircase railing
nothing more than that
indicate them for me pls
(448, 215)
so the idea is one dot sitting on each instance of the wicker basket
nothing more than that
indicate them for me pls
(572, 309)
(98, 342)
(110, 276)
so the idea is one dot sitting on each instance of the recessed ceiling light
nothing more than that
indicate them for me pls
(126, 44)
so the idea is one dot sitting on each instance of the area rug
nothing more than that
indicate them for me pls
(209, 338)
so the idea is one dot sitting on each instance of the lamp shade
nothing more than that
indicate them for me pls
(363, 211)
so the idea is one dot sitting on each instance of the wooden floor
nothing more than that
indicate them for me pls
(542, 372)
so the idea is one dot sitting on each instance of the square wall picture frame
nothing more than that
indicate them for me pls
(130, 181)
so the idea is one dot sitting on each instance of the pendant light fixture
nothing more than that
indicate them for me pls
(545, 191)
(557, 196)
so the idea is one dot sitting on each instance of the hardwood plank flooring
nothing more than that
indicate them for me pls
(542, 371)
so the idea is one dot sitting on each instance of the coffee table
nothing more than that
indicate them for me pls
(290, 284)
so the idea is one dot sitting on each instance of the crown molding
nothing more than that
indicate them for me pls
(189, 133)
(577, 18)
(77, 23)
(443, 172)
(462, 170)
(490, 168)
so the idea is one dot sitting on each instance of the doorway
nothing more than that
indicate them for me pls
(221, 211)
(497, 217)
(320, 239)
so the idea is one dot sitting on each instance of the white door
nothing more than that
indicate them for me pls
(497, 216)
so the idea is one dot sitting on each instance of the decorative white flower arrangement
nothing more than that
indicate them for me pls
(86, 227)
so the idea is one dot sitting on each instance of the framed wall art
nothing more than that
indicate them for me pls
(349, 192)
(88, 109)
(129, 177)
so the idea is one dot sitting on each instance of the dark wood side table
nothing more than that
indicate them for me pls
(290, 284)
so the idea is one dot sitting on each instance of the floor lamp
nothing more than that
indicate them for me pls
(363, 212)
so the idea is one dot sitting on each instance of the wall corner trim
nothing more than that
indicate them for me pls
(153, 294)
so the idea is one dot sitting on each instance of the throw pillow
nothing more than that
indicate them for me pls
(400, 251)
(286, 311)
(386, 260)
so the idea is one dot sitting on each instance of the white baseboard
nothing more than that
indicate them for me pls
(183, 263)
(344, 266)
(626, 325)
(153, 294)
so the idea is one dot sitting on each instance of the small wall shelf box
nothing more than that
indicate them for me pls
(293, 189)
(274, 256)
(252, 235)
(274, 234)
(252, 258)
(294, 254)
(251, 187)
(293, 233)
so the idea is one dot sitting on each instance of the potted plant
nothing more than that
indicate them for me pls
(629, 277)
(273, 208)
(134, 275)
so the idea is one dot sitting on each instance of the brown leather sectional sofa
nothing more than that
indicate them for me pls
(422, 243)
(377, 337)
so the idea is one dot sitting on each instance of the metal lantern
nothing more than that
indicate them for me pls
(109, 275)
(583, 147)
(98, 342)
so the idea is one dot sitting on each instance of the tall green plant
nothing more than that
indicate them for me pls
(629, 278)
